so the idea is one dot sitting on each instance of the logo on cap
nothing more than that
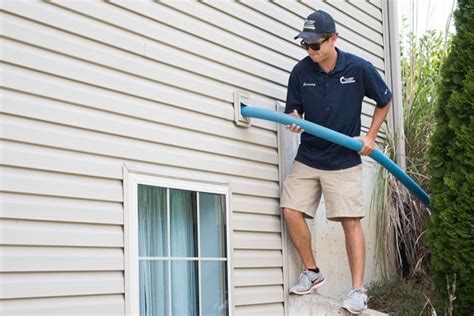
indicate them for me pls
(309, 24)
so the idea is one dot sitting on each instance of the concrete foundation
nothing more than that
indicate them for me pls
(320, 305)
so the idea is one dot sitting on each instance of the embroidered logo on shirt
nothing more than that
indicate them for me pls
(344, 80)
(307, 84)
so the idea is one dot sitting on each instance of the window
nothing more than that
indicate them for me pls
(178, 247)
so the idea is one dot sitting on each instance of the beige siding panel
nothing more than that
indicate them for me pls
(45, 183)
(256, 27)
(99, 121)
(256, 222)
(257, 258)
(368, 107)
(258, 277)
(140, 67)
(126, 20)
(49, 159)
(74, 305)
(366, 119)
(36, 259)
(256, 295)
(61, 161)
(359, 15)
(60, 136)
(251, 204)
(44, 284)
(179, 21)
(301, 10)
(256, 240)
(275, 13)
(275, 309)
(252, 17)
(377, 61)
(48, 38)
(123, 25)
(346, 46)
(251, 187)
(72, 186)
(41, 233)
(47, 208)
(368, 8)
(376, 3)
(91, 74)
(215, 123)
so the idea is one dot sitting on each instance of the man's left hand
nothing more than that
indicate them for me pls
(369, 145)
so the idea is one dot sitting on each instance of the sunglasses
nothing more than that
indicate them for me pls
(313, 46)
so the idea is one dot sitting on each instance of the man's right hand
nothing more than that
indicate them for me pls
(293, 127)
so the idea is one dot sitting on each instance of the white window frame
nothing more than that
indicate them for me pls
(131, 182)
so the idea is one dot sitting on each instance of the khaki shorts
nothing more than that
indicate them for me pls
(342, 190)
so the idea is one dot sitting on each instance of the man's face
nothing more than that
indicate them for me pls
(326, 46)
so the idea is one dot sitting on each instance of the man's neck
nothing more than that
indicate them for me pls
(330, 63)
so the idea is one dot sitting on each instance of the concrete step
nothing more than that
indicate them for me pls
(320, 305)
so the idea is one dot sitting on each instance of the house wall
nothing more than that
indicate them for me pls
(89, 86)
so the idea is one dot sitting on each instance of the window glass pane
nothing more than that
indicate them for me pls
(212, 225)
(183, 212)
(152, 222)
(184, 288)
(214, 288)
(154, 293)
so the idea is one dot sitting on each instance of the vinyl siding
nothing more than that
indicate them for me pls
(87, 304)
(88, 86)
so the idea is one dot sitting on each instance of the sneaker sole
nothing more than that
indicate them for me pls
(311, 289)
(354, 312)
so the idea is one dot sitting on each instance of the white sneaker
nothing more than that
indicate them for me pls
(307, 282)
(356, 301)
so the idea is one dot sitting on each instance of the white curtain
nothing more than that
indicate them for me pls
(156, 289)
(184, 274)
(213, 245)
(153, 242)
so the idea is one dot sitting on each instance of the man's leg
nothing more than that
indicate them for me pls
(300, 236)
(310, 278)
(302, 192)
(344, 202)
(355, 247)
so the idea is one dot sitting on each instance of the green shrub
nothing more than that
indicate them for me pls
(451, 165)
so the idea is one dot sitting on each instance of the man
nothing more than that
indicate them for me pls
(327, 87)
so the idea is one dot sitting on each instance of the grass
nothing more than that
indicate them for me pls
(401, 296)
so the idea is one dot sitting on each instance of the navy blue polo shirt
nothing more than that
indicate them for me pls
(333, 100)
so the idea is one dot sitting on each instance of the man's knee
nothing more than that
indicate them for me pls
(351, 224)
(292, 215)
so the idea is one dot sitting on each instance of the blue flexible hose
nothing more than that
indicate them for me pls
(340, 139)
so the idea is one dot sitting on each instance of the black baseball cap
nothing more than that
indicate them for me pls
(317, 25)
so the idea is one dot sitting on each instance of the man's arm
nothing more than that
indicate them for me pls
(377, 120)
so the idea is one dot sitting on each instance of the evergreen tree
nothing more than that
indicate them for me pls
(451, 165)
